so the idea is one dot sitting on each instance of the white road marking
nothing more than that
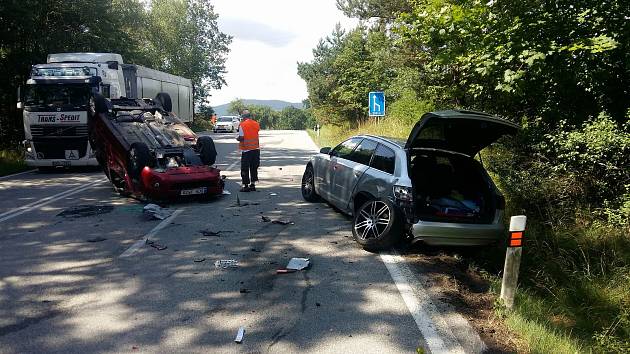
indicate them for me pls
(17, 174)
(436, 333)
(138, 244)
(40, 203)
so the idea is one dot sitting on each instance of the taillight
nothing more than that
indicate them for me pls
(403, 193)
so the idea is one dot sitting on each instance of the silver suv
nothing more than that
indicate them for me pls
(429, 187)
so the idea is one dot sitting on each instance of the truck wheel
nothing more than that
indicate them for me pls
(207, 150)
(377, 225)
(139, 156)
(163, 100)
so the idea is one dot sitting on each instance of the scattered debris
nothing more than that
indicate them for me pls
(283, 222)
(80, 211)
(298, 263)
(334, 242)
(226, 192)
(210, 233)
(239, 335)
(244, 291)
(273, 194)
(256, 250)
(226, 263)
(155, 245)
(280, 168)
(156, 212)
(203, 239)
(294, 265)
(318, 304)
(96, 239)
(199, 260)
(265, 219)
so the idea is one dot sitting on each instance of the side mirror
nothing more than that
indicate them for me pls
(20, 105)
(325, 150)
(112, 65)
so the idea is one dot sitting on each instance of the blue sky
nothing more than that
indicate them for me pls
(270, 37)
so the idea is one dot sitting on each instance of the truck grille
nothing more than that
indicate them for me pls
(56, 148)
(47, 131)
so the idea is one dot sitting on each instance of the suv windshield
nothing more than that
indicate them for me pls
(57, 95)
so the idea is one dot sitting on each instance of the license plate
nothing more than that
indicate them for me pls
(202, 190)
(61, 163)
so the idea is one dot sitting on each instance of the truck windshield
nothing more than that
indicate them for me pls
(64, 71)
(57, 95)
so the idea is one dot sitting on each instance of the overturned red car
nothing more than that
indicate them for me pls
(144, 157)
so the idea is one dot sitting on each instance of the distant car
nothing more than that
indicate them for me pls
(144, 157)
(227, 124)
(429, 188)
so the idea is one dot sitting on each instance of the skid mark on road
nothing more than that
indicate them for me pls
(45, 201)
(140, 243)
(435, 329)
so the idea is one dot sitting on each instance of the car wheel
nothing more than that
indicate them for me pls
(308, 185)
(376, 225)
(163, 100)
(139, 157)
(207, 150)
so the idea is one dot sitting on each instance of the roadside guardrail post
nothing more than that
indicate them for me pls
(513, 260)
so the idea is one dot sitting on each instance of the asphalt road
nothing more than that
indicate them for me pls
(64, 287)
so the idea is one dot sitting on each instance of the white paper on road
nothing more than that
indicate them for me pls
(298, 263)
(239, 335)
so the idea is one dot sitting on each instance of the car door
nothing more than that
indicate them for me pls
(349, 170)
(327, 168)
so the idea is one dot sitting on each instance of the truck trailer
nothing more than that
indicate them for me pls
(56, 100)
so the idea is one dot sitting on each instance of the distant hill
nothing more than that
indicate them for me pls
(274, 104)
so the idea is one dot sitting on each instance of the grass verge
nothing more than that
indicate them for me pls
(11, 162)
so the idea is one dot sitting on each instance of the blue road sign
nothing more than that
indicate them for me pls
(377, 103)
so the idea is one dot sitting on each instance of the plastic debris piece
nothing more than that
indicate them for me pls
(199, 260)
(284, 271)
(96, 239)
(210, 233)
(80, 211)
(156, 212)
(265, 219)
(226, 263)
(244, 291)
(273, 194)
(239, 335)
(298, 263)
(157, 246)
(283, 222)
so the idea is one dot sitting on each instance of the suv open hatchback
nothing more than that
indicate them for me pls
(428, 187)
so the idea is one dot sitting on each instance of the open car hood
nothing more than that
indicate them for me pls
(466, 132)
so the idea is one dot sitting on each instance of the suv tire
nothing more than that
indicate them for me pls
(377, 225)
(308, 185)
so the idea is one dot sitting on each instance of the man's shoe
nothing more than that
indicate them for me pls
(245, 189)
(252, 187)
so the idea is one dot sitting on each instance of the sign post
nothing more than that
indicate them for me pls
(376, 103)
(513, 260)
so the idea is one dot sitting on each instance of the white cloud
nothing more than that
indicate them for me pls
(270, 38)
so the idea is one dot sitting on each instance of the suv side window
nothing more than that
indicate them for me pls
(363, 153)
(344, 149)
(384, 159)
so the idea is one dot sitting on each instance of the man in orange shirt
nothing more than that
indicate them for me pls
(250, 151)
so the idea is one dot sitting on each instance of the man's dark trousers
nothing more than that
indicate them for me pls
(250, 160)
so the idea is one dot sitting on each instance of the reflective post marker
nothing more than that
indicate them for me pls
(513, 260)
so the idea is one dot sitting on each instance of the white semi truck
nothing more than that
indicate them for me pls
(56, 99)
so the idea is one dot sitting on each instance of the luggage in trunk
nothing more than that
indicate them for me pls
(451, 188)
